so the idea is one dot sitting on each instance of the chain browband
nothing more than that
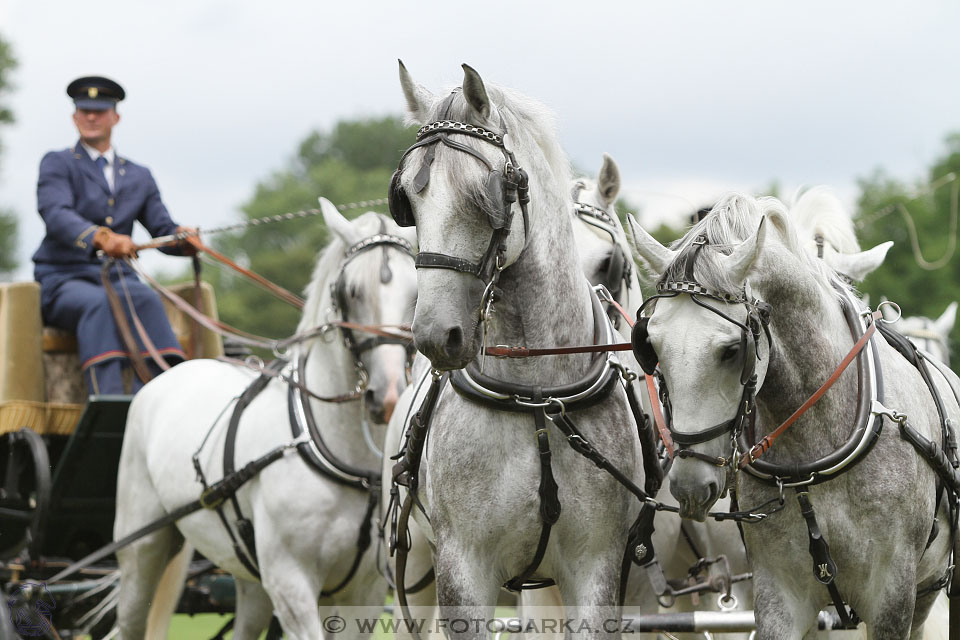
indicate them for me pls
(452, 126)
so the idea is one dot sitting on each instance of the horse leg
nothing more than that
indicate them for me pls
(781, 612)
(294, 593)
(168, 594)
(888, 607)
(590, 588)
(467, 593)
(360, 603)
(931, 617)
(537, 606)
(142, 565)
(254, 610)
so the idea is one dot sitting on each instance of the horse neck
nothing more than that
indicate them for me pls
(810, 338)
(330, 371)
(545, 298)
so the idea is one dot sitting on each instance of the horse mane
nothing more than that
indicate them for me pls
(364, 271)
(732, 220)
(529, 123)
(819, 211)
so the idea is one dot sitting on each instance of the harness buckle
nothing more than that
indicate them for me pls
(205, 499)
(878, 409)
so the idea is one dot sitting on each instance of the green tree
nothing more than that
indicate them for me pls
(350, 163)
(921, 276)
(8, 219)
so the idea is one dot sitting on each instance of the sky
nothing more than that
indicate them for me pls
(691, 99)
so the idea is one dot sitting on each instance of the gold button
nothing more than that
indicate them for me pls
(109, 220)
(109, 202)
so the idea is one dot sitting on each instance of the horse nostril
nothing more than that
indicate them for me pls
(369, 396)
(714, 490)
(454, 341)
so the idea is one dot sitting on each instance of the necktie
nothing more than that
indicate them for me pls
(102, 163)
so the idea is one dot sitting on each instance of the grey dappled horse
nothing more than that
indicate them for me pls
(306, 525)
(480, 472)
(879, 514)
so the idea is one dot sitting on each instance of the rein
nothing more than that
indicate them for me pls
(766, 442)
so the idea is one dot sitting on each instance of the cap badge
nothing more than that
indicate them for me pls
(93, 92)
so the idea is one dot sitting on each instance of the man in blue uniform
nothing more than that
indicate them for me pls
(89, 198)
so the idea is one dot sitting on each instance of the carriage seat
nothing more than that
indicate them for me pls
(41, 384)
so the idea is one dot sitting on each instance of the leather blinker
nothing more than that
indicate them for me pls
(642, 349)
(399, 203)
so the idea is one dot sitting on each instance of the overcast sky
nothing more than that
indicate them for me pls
(690, 98)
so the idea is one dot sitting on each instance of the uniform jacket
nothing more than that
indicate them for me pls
(74, 199)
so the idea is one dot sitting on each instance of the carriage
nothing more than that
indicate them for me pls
(60, 449)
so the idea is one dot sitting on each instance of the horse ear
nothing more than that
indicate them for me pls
(647, 247)
(944, 324)
(338, 224)
(419, 100)
(475, 92)
(741, 261)
(608, 182)
(859, 265)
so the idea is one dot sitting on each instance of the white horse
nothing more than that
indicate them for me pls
(931, 334)
(826, 231)
(479, 475)
(878, 515)
(306, 525)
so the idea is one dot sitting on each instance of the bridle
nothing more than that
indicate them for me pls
(619, 269)
(338, 297)
(757, 322)
(504, 186)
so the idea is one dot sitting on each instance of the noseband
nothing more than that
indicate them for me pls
(504, 187)
(757, 322)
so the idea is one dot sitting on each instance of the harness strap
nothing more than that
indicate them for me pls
(549, 501)
(363, 543)
(652, 471)
(248, 553)
(123, 327)
(766, 442)
(824, 567)
(406, 473)
(211, 498)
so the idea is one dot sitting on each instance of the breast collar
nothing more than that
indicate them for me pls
(593, 388)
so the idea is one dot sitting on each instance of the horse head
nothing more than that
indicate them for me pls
(462, 185)
(369, 280)
(826, 231)
(601, 241)
(709, 334)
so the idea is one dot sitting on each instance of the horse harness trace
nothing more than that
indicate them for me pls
(868, 422)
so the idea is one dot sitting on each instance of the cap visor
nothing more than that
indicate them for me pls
(94, 104)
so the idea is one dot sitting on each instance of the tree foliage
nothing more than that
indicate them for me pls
(887, 208)
(353, 162)
(8, 219)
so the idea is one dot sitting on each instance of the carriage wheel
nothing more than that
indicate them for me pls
(24, 494)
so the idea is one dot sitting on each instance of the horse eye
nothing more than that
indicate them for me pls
(354, 292)
(730, 353)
